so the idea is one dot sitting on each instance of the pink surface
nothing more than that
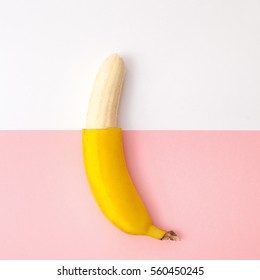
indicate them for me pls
(203, 184)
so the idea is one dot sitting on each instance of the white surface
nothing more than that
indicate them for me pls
(191, 64)
(48, 269)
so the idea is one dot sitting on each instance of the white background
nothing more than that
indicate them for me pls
(213, 269)
(191, 64)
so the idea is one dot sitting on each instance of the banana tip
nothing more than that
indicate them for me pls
(115, 57)
(114, 61)
(171, 235)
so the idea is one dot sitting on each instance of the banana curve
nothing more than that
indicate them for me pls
(104, 160)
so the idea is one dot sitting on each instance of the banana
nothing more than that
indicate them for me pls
(104, 160)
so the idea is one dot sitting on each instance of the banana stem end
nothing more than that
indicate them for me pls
(171, 235)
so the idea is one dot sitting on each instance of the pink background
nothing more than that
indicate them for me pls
(203, 184)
